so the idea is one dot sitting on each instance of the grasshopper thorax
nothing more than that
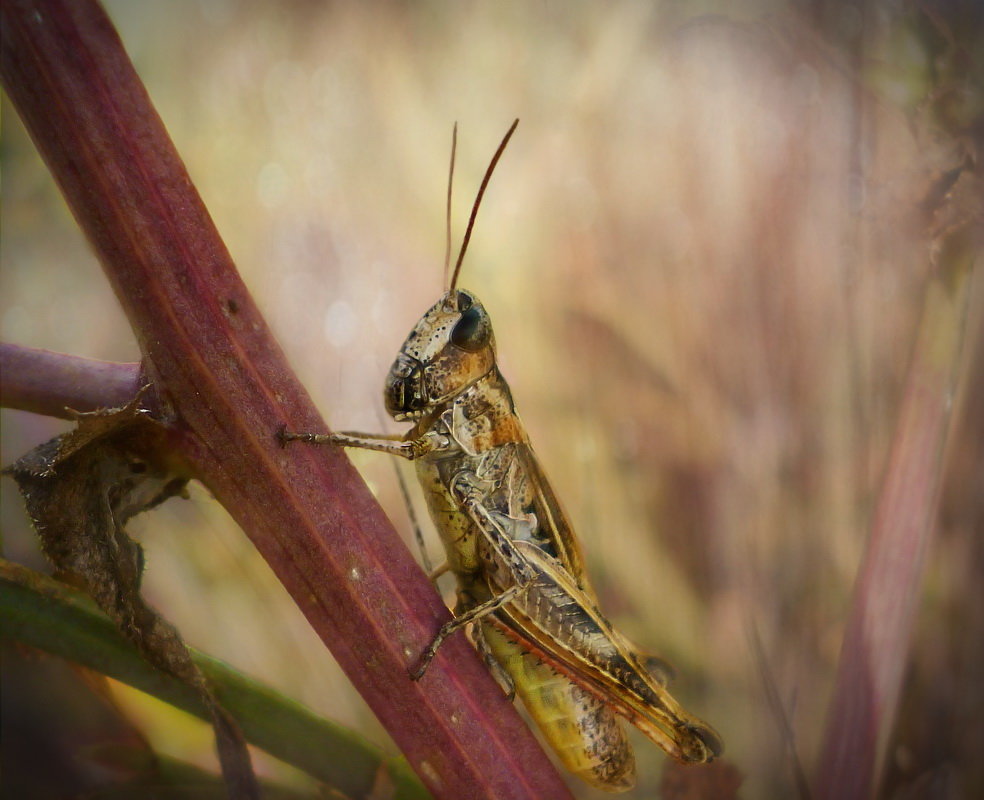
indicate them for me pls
(448, 350)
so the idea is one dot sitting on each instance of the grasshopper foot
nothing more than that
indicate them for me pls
(428, 655)
(416, 673)
(283, 436)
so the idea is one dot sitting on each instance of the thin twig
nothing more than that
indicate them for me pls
(51, 383)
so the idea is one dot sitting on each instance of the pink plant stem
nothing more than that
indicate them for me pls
(50, 383)
(216, 365)
(876, 642)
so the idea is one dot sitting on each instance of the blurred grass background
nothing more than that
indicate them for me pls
(704, 252)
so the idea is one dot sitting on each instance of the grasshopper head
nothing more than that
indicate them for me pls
(446, 352)
(452, 346)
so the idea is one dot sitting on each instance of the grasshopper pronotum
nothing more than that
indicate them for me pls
(521, 580)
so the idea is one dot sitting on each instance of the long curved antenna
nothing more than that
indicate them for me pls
(478, 200)
(447, 243)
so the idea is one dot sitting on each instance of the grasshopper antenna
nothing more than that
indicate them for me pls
(478, 200)
(447, 241)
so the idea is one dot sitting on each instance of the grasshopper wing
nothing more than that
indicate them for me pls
(559, 622)
(552, 521)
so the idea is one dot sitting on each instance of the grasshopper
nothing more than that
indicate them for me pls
(522, 586)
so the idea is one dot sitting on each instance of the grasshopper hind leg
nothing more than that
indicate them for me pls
(661, 671)
(502, 677)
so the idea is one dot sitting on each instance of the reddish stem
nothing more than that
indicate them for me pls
(877, 638)
(215, 362)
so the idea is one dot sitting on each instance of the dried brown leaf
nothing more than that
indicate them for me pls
(80, 489)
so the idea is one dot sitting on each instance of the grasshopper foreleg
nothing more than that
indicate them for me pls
(393, 444)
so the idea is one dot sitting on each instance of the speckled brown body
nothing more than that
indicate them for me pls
(521, 578)
(583, 731)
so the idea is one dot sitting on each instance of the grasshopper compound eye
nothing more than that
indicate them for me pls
(471, 332)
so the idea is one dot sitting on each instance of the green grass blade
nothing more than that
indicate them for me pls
(43, 613)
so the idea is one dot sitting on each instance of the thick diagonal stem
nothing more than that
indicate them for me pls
(215, 363)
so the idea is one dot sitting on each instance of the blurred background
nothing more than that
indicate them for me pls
(704, 251)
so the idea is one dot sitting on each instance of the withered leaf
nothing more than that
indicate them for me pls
(80, 489)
